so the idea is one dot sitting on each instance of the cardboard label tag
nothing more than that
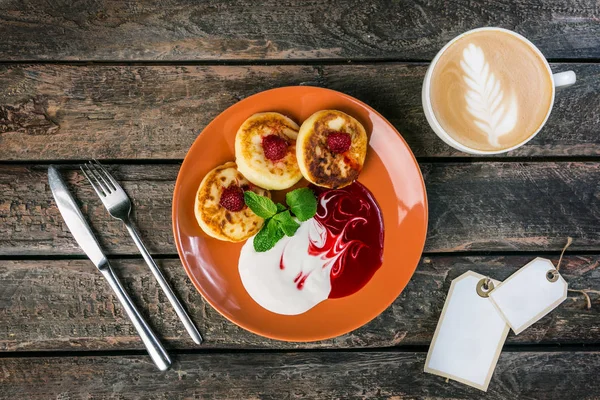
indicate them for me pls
(529, 294)
(469, 336)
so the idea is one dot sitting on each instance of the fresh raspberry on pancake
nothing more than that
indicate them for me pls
(232, 198)
(275, 147)
(339, 142)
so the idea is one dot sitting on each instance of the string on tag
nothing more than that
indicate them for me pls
(569, 241)
(585, 294)
(552, 276)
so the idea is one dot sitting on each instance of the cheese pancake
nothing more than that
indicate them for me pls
(265, 151)
(220, 209)
(331, 148)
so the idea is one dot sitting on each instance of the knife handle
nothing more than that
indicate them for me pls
(155, 348)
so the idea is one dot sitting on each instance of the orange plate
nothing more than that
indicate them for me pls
(391, 173)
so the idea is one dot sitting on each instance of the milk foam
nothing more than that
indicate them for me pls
(490, 90)
(494, 114)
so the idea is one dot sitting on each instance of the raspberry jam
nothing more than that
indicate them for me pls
(351, 230)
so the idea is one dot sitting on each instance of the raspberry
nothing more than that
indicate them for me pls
(275, 147)
(339, 142)
(232, 198)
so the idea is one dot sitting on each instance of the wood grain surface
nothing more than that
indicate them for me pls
(305, 375)
(275, 30)
(61, 112)
(482, 206)
(135, 82)
(66, 305)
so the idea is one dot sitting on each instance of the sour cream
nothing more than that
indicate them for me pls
(332, 255)
(286, 279)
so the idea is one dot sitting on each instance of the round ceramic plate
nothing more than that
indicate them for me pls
(391, 173)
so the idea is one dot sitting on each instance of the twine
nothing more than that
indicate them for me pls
(569, 241)
(584, 292)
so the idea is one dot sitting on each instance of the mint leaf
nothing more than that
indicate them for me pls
(281, 207)
(268, 236)
(288, 225)
(260, 205)
(302, 203)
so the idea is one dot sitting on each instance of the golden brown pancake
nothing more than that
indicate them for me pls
(318, 163)
(250, 153)
(216, 220)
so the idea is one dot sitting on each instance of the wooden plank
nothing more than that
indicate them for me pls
(322, 375)
(483, 206)
(512, 206)
(66, 305)
(270, 29)
(54, 112)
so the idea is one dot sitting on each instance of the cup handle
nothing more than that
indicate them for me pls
(566, 78)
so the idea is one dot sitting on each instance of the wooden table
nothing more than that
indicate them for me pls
(134, 83)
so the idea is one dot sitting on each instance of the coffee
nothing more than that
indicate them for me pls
(490, 90)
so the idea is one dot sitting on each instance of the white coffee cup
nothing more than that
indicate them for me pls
(560, 79)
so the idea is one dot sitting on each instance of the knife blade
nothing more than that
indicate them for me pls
(74, 219)
(86, 239)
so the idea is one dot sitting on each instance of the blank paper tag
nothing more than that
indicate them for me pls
(528, 294)
(469, 336)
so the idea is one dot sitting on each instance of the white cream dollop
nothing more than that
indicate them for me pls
(304, 280)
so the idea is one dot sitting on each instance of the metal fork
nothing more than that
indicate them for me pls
(118, 205)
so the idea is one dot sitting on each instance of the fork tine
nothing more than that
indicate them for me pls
(96, 186)
(100, 176)
(97, 179)
(108, 175)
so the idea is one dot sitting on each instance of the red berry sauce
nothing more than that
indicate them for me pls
(351, 237)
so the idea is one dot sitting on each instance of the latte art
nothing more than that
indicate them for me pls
(490, 90)
(492, 113)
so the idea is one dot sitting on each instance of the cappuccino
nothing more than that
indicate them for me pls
(491, 90)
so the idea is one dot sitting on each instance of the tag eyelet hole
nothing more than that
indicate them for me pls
(552, 275)
(484, 287)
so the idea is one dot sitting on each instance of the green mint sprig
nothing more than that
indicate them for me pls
(279, 221)
(302, 203)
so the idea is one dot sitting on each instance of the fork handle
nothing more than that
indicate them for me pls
(155, 348)
(181, 313)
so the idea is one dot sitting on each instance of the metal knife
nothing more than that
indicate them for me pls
(88, 243)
